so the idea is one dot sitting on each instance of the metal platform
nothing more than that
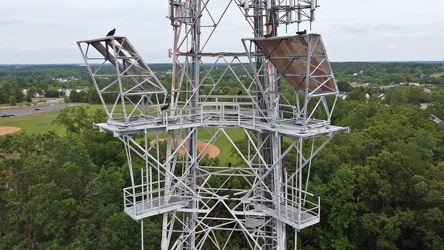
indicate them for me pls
(156, 206)
(225, 115)
(286, 94)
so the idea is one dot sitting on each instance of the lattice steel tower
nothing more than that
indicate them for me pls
(280, 96)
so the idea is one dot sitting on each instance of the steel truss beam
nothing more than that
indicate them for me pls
(282, 101)
(131, 89)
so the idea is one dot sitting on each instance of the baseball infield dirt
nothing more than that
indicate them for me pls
(4, 130)
(206, 148)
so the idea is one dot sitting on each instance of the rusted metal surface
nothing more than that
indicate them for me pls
(301, 59)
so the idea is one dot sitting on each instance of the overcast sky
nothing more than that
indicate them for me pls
(46, 31)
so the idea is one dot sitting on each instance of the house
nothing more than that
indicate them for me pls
(66, 92)
(438, 121)
(343, 95)
(35, 95)
(410, 83)
(86, 89)
(380, 96)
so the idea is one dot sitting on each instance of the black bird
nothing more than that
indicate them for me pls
(111, 33)
(301, 32)
(229, 164)
(230, 195)
(240, 92)
(230, 186)
(268, 35)
(165, 107)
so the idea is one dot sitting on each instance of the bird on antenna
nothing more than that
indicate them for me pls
(268, 35)
(301, 32)
(112, 32)
(165, 107)
(240, 92)
(229, 164)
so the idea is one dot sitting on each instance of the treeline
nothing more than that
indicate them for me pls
(39, 79)
(386, 73)
(52, 81)
(49, 79)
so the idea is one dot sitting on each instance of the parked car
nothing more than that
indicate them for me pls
(7, 115)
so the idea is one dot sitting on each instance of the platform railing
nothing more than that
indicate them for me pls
(297, 207)
(147, 198)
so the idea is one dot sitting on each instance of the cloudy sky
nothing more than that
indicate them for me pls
(46, 31)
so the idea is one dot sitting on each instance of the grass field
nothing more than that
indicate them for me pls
(222, 142)
(42, 122)
(39, 122)
(34, 123)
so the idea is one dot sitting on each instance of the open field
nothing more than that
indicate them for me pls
(34, 123)
(222, 143)
(42, 122)
(39, 122)
(436, 74)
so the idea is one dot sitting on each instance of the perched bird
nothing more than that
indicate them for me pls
(111, 33)
(240, 92)
(165, 107)
(301, 32)
(268, 35)
(230, 195)
(230, 186)
(229, 164)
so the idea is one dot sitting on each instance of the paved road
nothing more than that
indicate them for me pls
(38, 108)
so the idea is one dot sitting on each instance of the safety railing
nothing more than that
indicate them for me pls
(150, 199)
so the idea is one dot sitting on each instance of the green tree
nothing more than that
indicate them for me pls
(57, 198)
(344, 86)
(356, 94)
(427, 225)
(76, 119)
(12, 100)
(342, 208)
(28, 98)
(396, 95)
